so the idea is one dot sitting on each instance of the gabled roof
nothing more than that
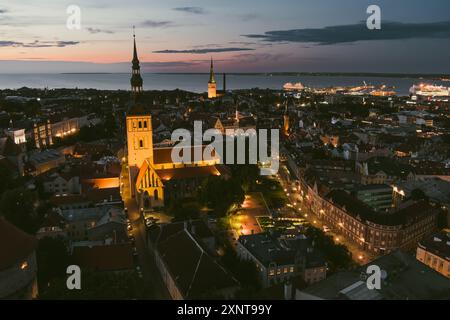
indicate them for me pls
(188, 173)
(164, 155)
(193, 270)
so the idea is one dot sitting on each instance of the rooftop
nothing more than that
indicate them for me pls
(14, 244)
(194, 271)
(358, 209)
(407, 279)
(438, 244)
(269, 249)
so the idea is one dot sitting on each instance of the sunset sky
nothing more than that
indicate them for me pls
(241, 35)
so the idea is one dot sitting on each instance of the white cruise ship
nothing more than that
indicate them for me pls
(428, 90)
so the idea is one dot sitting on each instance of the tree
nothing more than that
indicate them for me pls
(18, 207)
(52, 259)
(246, 175)
(337, 255)
(418, 194)
(219, 194)
(183, 211)
(6, 178)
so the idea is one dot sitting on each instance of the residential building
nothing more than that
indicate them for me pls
(376, 196)
(279, 260)
(403, 278)
(186, 267)
(435, 252)
(43, 161)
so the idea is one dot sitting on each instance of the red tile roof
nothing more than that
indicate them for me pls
(187, 173)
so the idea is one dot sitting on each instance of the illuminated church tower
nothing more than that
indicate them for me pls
(139, 123)
(212, 85)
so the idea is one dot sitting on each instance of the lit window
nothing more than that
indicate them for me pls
(24, 265)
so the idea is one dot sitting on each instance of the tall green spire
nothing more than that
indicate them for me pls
(212, 78)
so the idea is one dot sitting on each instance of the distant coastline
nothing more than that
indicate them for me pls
(197, 82)
(298, 74)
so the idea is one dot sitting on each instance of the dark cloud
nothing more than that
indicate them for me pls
(243, 43)
(38, 44)
(3, 11)
(205, 50)
(249, 17)
(156, 24)
(193, 10)
(358, 32)
(96, 30)
(8, 43)
(169, 64)
(260, 57)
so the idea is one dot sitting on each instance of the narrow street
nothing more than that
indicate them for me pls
(145, 259)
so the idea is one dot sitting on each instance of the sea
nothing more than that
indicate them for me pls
(198, 82)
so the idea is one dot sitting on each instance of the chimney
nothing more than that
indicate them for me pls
(288, 290)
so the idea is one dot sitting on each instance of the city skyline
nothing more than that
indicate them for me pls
(180, 36)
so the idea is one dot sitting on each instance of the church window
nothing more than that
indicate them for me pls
(141, 143)
(145, 124)
(140, 124)
(155, 195)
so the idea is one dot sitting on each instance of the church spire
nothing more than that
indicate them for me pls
(135, 57)
(136, 79)
(212, 78)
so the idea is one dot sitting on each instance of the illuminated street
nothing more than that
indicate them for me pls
(145, 259)
(245, 222)
(358, 255)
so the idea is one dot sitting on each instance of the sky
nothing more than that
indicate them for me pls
(241, 36)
